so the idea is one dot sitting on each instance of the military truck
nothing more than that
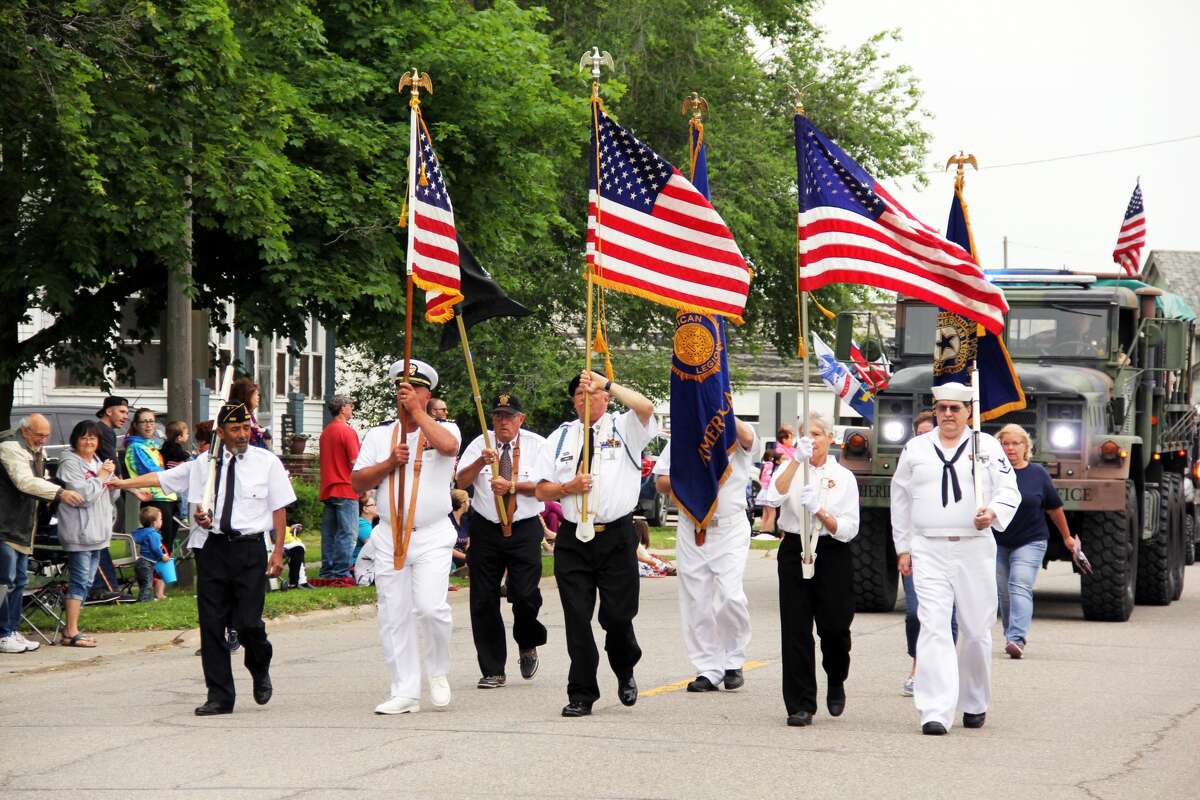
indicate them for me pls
(1106, 370)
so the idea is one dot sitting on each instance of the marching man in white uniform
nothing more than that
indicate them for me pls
(415, 594)
(712, 601)
(944, 540)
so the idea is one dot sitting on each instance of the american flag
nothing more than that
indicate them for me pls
(1132, 237)
(851, 230)
(432, 244)
(652, 234)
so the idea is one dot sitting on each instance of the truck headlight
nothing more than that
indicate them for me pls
(1063, 437)
(893, 431)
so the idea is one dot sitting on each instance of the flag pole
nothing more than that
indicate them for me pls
(807, 535)
(414, 80)
(487, 439)
(595, 59)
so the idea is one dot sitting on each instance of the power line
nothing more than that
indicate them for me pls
(1068, 157)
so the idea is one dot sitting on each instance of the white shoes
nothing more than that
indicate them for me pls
(399, 705)
(12, 643)
(909, 687)
(439, 691)
(30, 645)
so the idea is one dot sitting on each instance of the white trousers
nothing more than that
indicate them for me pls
(948, 573)
(712, 601)
(416, 596)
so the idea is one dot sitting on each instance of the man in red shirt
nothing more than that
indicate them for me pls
(339, 522)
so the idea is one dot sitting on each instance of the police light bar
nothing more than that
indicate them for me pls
(1061, 276)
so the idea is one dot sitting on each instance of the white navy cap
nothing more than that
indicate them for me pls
(953, 391)
(419, 373)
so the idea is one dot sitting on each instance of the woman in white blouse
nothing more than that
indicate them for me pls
(830, 500)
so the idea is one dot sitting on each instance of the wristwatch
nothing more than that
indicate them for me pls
(608, 387)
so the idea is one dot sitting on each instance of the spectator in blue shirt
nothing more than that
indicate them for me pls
(150, 552)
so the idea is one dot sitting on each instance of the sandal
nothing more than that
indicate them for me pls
(78, 640)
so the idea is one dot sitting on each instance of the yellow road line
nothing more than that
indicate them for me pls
(677, 685)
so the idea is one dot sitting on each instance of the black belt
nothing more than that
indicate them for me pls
(600, 527)
(237, 537)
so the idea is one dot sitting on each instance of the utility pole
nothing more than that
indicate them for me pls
(1006, 252)
(178, 333)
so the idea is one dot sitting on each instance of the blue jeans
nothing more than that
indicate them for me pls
(1016, 570)
(14, 574)
(339, 531)
(912, 626)
(83, 566)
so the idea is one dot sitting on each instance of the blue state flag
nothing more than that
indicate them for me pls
(959, 343)
(703, 426)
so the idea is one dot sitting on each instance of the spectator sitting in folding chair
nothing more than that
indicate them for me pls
(84, 531)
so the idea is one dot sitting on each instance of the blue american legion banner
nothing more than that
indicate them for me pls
(703, 429)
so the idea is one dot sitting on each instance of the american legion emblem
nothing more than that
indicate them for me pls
(697, 348)
(953, 345)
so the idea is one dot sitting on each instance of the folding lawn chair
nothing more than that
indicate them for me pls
(45, 592)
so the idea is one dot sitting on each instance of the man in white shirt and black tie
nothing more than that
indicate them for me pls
(252, 492)
(605, 565)
(504, 473)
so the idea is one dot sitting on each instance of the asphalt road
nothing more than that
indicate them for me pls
(1094, 711)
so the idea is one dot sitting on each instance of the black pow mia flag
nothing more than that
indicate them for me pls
(482, 298)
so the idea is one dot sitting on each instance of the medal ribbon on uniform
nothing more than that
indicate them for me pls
(949, 474)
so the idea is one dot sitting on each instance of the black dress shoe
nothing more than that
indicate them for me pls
(933, 729)
(702, 684)
(577, 708)
(974, 720)
(835, 700)
(528, 662)
(733, 679)
(212, 708)
(627, 692)
(800, 719)
(262, 688)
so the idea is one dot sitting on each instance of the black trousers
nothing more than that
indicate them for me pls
(607, 566)
(827, 599)
(489, 555)
(295, 560)
(230, 586)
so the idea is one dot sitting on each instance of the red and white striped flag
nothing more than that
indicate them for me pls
(653, 234)
(851, 230)
(432, 243)
(1132, 238)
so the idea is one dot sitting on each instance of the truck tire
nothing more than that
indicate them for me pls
(873, 558)
(1189, 536)
(1156, 578)
(1110, 539)
(1179, 540)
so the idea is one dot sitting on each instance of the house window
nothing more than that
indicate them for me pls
(301, 372)
(147, 361)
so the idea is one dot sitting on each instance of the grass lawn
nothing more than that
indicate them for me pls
(664, 539)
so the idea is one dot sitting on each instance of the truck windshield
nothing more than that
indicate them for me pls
(920, 323)
(1038, 331)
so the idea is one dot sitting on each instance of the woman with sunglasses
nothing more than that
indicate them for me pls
(143, 454)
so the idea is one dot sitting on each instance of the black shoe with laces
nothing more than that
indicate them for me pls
(262, 688)
(733, 679)
(933, 729)
(702, 684)
(490, 682)
(800, 719)
(835, 700)
(974, 720)
(232, 644)
(212, 708)
(528, 661)
(627, 691)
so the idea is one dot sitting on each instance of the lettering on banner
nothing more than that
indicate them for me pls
(715, 429)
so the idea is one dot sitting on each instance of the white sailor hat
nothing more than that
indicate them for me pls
(953, 391)
(419, 373)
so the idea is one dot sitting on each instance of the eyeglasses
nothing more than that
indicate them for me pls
(946, 408)
(145, 422)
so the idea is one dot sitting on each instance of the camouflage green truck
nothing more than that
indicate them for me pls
(1106, 371)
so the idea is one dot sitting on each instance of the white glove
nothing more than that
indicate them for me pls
(804, 447)
(808, 498)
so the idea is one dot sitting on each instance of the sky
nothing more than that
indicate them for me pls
(1022, 81)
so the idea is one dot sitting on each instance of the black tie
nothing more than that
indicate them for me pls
(227, 506)
(591, 449)
(949, 474)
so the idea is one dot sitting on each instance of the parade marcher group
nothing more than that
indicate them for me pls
(945, 535)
